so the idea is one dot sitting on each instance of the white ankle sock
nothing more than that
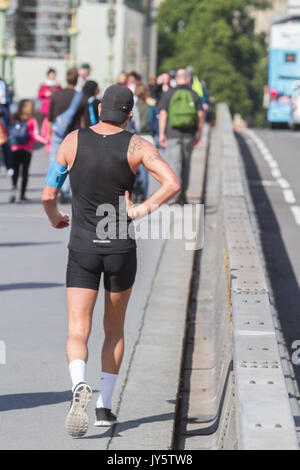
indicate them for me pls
(77, 372)
(108, 382)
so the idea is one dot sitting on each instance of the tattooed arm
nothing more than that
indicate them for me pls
(141, 151)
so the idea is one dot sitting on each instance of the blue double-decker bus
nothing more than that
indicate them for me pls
(284, 67)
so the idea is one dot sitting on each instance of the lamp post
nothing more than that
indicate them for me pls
(131, 53)
(11, 57)
(4, 5)
(111, 30)
(73, 33)
(149, 25)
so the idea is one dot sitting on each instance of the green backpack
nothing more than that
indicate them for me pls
(182, 112)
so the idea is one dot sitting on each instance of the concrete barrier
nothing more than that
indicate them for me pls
(264, 417)
(234, 385)
(147, 406)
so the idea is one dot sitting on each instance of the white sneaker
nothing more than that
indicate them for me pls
(77, 419)
(12, 196)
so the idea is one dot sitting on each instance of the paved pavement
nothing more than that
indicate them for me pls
(35, 384)
(273, 166)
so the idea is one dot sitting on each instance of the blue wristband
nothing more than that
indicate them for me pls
(57, 175)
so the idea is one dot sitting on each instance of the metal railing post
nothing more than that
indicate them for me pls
(4, 5)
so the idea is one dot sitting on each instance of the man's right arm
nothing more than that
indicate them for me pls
(64, 161)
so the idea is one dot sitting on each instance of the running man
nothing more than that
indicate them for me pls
(101, 162)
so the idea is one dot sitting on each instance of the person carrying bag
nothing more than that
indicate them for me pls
(63, 121)
(66, 114)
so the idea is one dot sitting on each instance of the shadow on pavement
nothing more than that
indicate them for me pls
(37, 175)
(29, 285)
(21, 401)
(135, 423)
(8, 190)
(16, 244)
(30, 202)
(283, 280)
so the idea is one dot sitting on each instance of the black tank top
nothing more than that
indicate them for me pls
(99, 178)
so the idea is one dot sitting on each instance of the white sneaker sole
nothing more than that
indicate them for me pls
(77, 419)
(104, 423)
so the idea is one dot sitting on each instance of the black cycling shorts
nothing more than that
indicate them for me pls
(84, 270)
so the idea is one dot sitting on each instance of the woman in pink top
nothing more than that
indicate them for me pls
(23, 133)
(46, 90)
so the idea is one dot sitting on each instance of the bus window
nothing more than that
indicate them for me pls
(284, 67)
(290, 57)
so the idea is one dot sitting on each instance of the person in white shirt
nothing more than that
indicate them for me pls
(83, 73)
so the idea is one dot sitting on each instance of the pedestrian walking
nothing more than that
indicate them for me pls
(101, 161)
(134, 79)
(172, 75)
(91, 91)
(66, 113)
(180, 128)
(200, 87)
(206, 103)
(5, 147)
(195, 83)
(83, 73)
(153, 87)
(6, 98)
(46, 90)
(45, 93)
(163, 82)
(122, 78)
(146, 115)
(24, 132)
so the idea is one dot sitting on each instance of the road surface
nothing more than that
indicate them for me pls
(272, 163)
(35, 383)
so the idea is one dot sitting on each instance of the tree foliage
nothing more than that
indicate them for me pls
(217, 37)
